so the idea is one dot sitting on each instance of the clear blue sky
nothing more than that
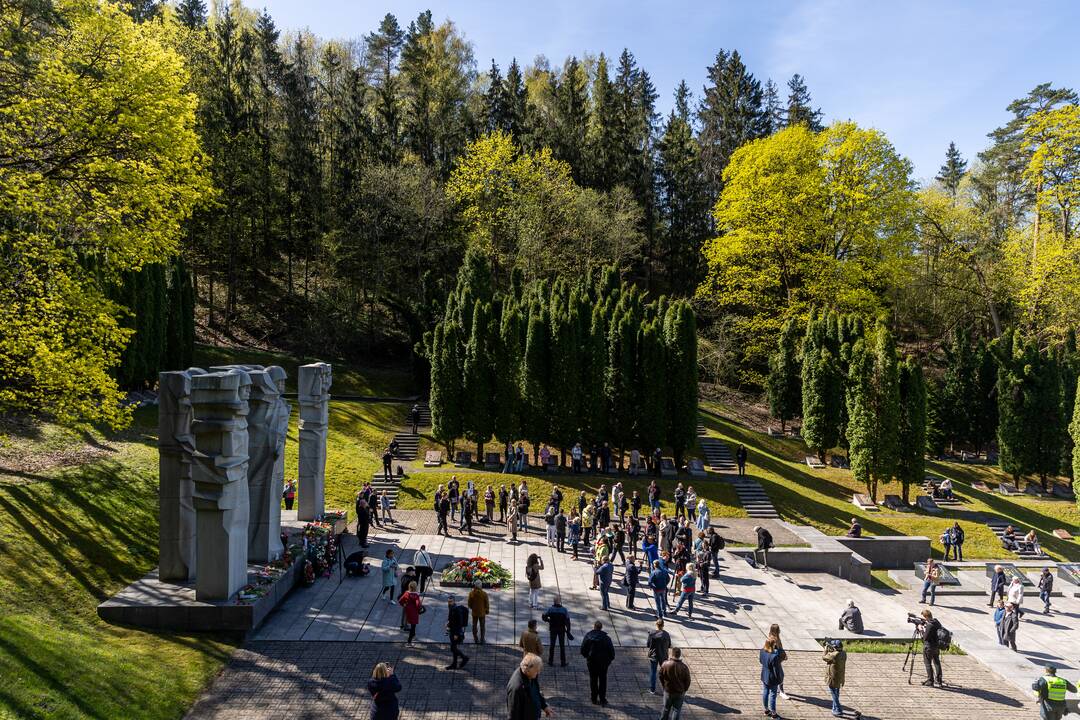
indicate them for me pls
(925, 72)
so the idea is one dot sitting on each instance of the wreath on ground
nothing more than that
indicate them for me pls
(463, 573)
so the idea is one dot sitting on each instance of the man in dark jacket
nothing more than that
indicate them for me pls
(457, 619)
(675, 679)
(444, 512)
(414, 418)
(658, 644)
(604, 573)
(524, 701)
(558, 619)
(764, 543)
(363, 522)
(998, 585)
(851, 619)
(387, 465)
(931, 649)
(630, 581)
(740, 460)
(958, 542)
(504, 498)
(560, 530)
(599, 652)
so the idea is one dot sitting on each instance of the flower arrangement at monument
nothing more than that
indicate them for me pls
(466, 572)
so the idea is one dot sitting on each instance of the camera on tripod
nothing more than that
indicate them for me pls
(916, 620)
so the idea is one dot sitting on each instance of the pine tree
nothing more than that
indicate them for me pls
(799, 108)
(604, 151)
(571, 118)
(517, 106)
(496, 104)
(383, 48)
(952, 172)
(911, 464)
(784, 384)
(730, 114)
(773, 110)
(680, 338)
(192, 13)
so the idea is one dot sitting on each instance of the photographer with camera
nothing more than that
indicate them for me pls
(835, 658)
(932, 634)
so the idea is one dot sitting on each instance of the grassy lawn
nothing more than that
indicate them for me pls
(891, 647)
(418, 490)
(822, 498)
(78, 522)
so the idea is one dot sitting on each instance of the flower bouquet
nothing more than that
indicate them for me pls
(463, 573)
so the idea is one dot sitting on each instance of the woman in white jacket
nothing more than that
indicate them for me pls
(1015, 594)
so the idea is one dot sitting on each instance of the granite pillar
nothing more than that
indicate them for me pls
(268, 425)
(313, 385)
(176, 513)
(220, 405)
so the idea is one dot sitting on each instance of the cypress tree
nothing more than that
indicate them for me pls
(960, 399)
(1074, 432)
(784, 384)
(652, 407)
(1044, 418)
(935, 436)
(1069, 368)
(873, 399)
(565, 368)
(1011, 355)
(536, 379)
(619, 382)
(507, 370)
(911, 465)
(985, 407)
(593, 405)
(446, 385)
(680, 339)
(822, 389)
(478, 406)
(861, 426)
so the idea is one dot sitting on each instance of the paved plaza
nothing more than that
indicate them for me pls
(313, 655)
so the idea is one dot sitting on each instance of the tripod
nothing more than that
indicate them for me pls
(912, 653)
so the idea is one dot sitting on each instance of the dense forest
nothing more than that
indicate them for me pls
(214, 175)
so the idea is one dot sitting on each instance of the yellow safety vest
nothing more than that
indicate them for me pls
(1055, 688)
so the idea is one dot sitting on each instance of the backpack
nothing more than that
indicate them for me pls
(944, 638)
(530, 572)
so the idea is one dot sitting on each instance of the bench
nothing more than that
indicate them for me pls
(1007, 488)
(433, 458)
(696, 468)
(863, 502)
(667, 467)
(492, 460)
(895, 502)
(463, 458)
(1063, 534)
(814, 462)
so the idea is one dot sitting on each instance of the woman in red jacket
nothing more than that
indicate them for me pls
(410, 600)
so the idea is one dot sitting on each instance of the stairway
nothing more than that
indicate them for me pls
(998, 525)
(425, 415)
(408, 445)
(717, 455)
(754, 499)
(378, 482)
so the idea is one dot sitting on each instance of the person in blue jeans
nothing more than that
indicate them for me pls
(687, 582)
(835, 658)
(603, 573)
(771, 658)
(930, 581)
(658, 644)
(658, 581)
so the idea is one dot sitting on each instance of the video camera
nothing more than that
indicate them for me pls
(916, 620)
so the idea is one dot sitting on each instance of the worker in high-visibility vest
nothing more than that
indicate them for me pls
(1050, 692)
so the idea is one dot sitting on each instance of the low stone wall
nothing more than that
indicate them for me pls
(840, 562)
(890, 552)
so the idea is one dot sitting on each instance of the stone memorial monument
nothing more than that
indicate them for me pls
(176, 513)
(313, 385)
(219, 402)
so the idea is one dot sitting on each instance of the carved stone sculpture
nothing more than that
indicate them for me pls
(176, 513)
(268, 424)
(220, 404)
(313, 384)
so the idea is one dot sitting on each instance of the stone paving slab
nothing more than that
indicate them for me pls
(297, 680)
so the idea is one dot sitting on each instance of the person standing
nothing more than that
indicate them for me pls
(1009, 624)
(443, 513)
(529, 642)
(716, 544)
(389, 575)
(675, 680)
(930, 581)
(384, 505)
(533, 566)
(658, 459)
(703, 520)
(549, 523)
(701, 566)
(289, 493)
(504, 498)
(512, 522)
(558, 619)
(575, 459)
(599, 653)
(524, 701)
(999, 615)
(835, 658)
(468, 505)
(479, 606)
(453, 489)
(680, 501)
(587, 516)
(363, 522)
(604, 572)
(1050, 691)
(489, 504)
(691, 504)
(1015, 593)
(630, 581)
(414, 418)
(997, 585)
(771, 657)
(658, 581)
(654, 495)
(658, 645)
(1046, 586)
(387, 465)
(740, 459)
(456, 620)
(560, 531)
(957, 542)
(424, 567)
(384, 687)
(687, 583)
(411, 603)
(931, 649)
(408, 579)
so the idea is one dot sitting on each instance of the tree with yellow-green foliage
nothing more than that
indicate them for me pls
(808, 219)
(99, 165)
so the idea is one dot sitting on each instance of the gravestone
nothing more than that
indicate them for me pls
(433, 458)
(313, 384)
(696, 468)
(463, 458)
(945, 576)
(220, 406)
(814, 462)
(1069, 572)
(176, 513)
(927, 504)
(895, 502)
(268, 425)
(667, 467)
(1010, 570)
